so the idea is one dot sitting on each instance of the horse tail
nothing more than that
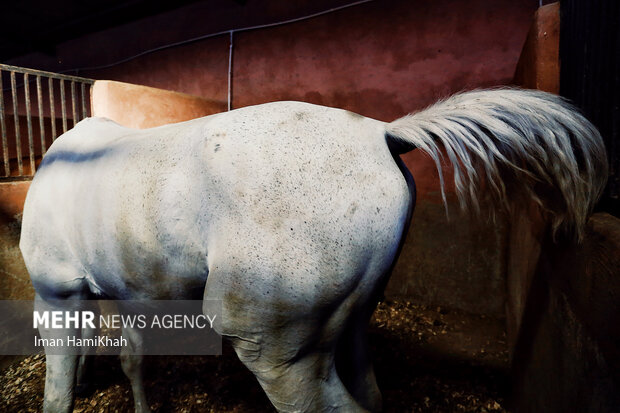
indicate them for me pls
(518, 145)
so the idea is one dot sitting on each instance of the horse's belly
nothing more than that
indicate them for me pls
(144, 243)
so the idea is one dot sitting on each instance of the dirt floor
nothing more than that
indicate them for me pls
(426, 360)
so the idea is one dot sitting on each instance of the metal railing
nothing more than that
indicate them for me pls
(19, 87)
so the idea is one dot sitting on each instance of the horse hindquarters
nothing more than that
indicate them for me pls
(301, 332)
(316, 364)
(354, 364)
(296, 365)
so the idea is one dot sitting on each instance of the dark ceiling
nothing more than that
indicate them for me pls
(39, 25)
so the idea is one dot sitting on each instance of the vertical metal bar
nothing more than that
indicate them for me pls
(83, 88)
(18, 142)
(63, 105)
(29, 122)
(90, 100)
(50, 85)
(74, 103)
(41, 115)
(5, 144)
(230, 62)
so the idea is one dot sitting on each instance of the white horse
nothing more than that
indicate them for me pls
(292, 214)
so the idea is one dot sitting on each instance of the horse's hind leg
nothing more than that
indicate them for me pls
(354, 364)
(308, 383)
(131, 362)
(84, 374)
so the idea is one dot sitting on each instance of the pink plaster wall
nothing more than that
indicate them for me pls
(381, 59)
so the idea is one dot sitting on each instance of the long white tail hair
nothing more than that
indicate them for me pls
(516, 144)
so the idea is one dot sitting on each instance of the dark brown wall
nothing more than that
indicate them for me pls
(381, 59)
(567, 357)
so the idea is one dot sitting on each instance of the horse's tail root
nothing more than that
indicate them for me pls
(522, 145)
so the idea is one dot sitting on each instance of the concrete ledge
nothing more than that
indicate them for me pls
(140, 107)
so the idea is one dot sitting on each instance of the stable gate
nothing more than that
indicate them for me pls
(35, 108)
